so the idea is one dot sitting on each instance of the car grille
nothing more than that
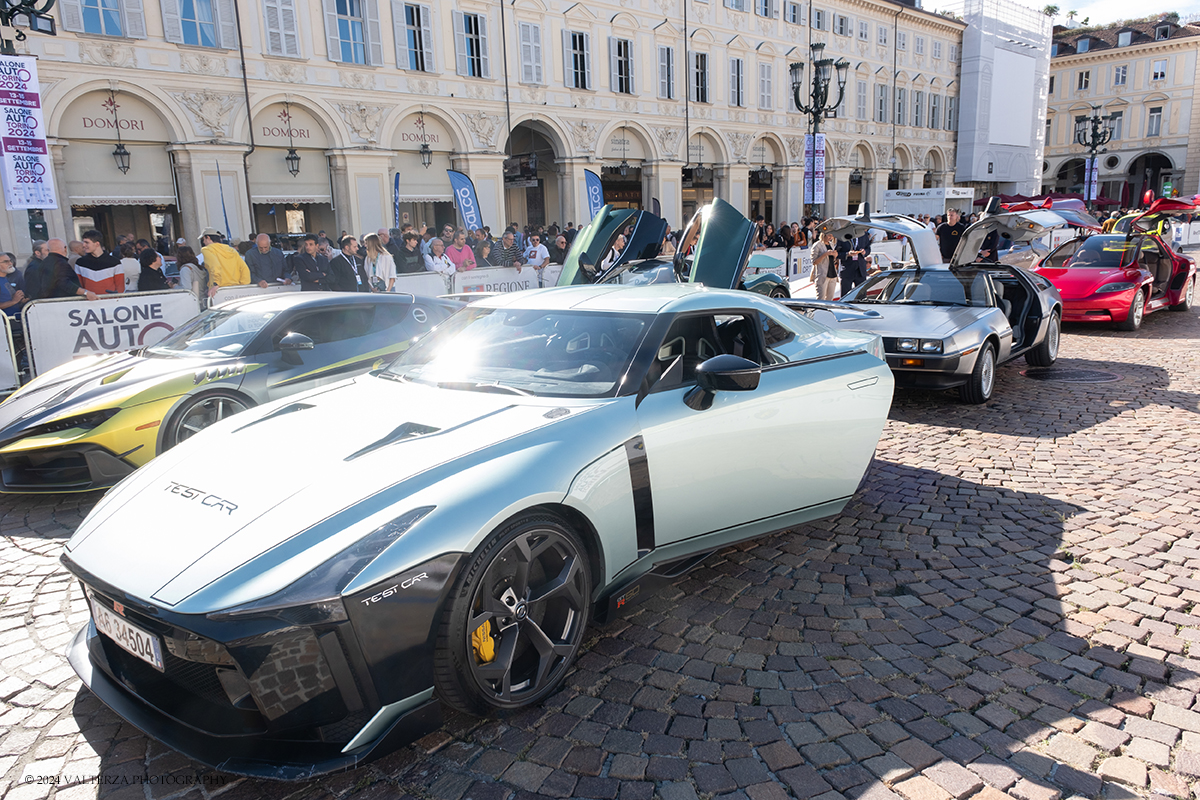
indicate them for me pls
(198, 680)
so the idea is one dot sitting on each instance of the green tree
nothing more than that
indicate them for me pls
(1050, 11)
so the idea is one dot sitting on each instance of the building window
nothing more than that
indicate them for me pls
(666, 72)
(954, 53)
(1160, 70)
(901, 99)
(1120, 75)
(951, 113)
(841, 25)
(919, 45)
(881, 102)
(351, 31)
(901, 41)
(577, 60)
(1162, 32)
(620, 65)
(1051, 92)
(417, 42)
(283, 39)
(1124, 38)
(1083, 79)
(861, 100)
(700, 77)
(1118, 124)
(531, 52)
(795, 13)
(102, 17)
(199, 26)
(935, 111)
(766, 8)
(918, 109)
(766, 93)
(937, 49)
(1046, 140)
(1054, 50)
(818, 20)
(470, 45)
(736, 5)
(1083, 45)
(1154, 123)
(882, 37)
(737, 82)
(864, 31)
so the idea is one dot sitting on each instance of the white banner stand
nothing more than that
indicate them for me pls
(64, 328)
(422, 284)
(226, 293)
(10, 379)
(495, 279)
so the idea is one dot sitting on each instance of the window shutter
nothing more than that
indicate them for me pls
(614, 74)
(400, 32)
(135, 19)
(374, 38)
(664, 72)
(774, 9)
(632, 69)
(733, 81)
(587, 61)
(483, 46)
(172, 21)
(693, 85)
(332, 42)
(460, 43)
(568, 61)
(427, 37)
(72, 15)
(272, 27)
(526, 49)
(227, 24)
(287, 26)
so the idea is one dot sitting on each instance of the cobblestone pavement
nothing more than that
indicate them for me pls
(1005, 609)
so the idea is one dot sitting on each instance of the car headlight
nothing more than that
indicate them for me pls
(931, 345)
(316, 597)
(88, 421)
(1114, 287)
(908, 345)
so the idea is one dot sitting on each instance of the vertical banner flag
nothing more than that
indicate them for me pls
(1093, 178)
(595, 193)
(28, 181)
(808, 169)
(396, 202)
(464, 196)
(819, 169)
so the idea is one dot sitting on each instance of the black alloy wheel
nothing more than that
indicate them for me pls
(516, 617)
(779, 293)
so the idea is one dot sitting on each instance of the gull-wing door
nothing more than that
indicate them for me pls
(1015, 226)
(924, 243)
(592, 244)
(723, 244)
(1162, 210)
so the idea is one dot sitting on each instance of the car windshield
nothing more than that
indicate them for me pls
(215, 333)
(526, 351)
(924, 287)
(1104, 252)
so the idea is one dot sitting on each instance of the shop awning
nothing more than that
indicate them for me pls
(271, 183)
(92, 177)
(421, 184)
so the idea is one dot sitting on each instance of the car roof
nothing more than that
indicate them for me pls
(289, 300)
(667, 298)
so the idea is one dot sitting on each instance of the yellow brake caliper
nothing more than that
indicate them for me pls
(483, 643)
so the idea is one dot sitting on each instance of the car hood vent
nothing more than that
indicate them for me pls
(279, 412)
(408, 430)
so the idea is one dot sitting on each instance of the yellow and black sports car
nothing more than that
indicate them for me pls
(89, 423)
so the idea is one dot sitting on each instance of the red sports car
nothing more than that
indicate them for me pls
(1119, 278)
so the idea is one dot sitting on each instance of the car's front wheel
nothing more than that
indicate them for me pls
(1137, 309)
(515, 618)
(779, 293)
(983, 377)
(1189, 296)
(1046, 353)
(198, 413)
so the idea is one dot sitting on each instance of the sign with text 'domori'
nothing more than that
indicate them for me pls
(496, 279)
(28, 181)
(62, 329)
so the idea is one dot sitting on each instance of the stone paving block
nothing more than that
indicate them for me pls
(889, 768)
(1124, 769)
(995, 715)
(921, 788)
(1164, 783)
(1150, 751)
(1103, 736)
(959, 781)
(1176, 717)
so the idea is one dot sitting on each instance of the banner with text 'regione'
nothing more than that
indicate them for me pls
(464, 197)
(28, 180)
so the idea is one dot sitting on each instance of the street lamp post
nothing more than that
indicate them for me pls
(1093, 132)
(822, 71)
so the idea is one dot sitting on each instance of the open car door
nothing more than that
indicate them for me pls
(1014, 226)
(1160, 212)
(592, 244)
(724, 240)
(924, 243)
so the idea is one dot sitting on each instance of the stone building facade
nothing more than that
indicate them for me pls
(1145, 72)
(521, 96)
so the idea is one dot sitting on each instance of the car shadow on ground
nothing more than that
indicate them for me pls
(1019, 402)
(888, 649)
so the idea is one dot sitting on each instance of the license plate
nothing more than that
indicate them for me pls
(128, 636)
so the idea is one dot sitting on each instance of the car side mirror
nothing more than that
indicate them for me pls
(724, 373)
(291, 345)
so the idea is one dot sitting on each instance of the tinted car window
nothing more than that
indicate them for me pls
(924, 287)
(331, 325)
(1104, 252)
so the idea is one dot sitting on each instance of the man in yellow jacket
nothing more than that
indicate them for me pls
(225, 266)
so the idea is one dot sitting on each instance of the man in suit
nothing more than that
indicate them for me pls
(853, 255)
(346, 273)
(312, 267)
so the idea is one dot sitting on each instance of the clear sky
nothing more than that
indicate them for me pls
(1103, 12)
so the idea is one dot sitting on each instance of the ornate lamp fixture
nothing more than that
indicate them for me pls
(120, 155)
(426, 150)
(292, 158)
(33, 14)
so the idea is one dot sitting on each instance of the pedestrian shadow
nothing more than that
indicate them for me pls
(1093, 393)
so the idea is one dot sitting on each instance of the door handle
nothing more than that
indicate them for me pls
(864, 383)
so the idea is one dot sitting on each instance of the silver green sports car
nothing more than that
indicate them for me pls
(341, 562)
